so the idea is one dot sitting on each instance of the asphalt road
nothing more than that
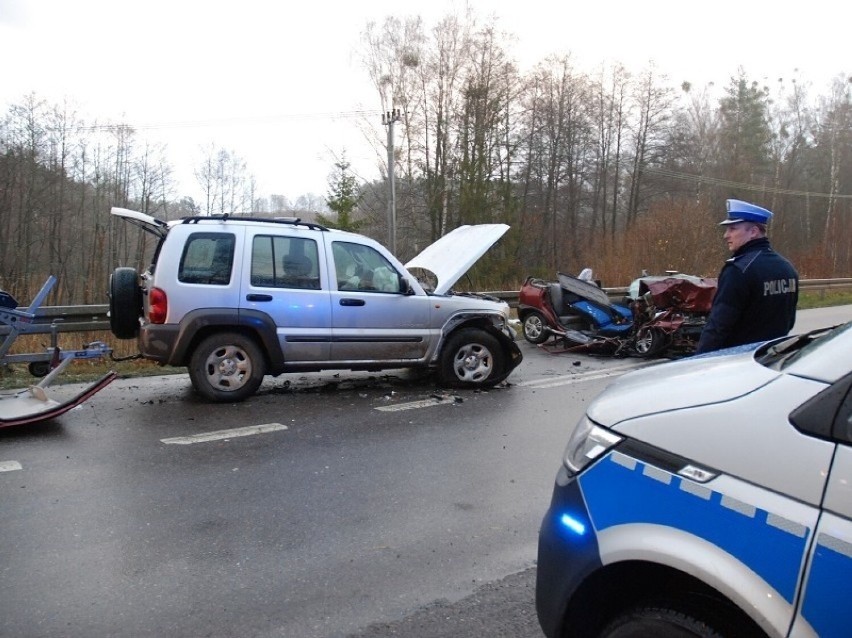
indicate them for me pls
(353, 505)
(363, 499)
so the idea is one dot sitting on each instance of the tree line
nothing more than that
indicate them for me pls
(614, 169)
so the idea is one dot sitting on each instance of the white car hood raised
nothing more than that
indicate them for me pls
(453, 254)
(680, 384)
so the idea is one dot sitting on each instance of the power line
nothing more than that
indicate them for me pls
(740, 185)
(250, 120)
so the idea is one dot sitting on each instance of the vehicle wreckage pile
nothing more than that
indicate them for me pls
(660, 316)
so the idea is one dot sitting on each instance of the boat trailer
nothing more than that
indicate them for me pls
(36, 403)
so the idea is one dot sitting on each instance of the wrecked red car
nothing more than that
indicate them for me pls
(670, 312)
(660, 316)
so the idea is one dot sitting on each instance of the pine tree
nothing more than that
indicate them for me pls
(343, 198)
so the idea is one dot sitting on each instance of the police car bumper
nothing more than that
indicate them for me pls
(567, 553)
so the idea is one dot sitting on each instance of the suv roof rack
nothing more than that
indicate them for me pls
(292, 221)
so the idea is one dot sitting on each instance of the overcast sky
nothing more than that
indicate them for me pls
(278, 82)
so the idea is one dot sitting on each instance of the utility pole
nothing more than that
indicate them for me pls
(389, 119)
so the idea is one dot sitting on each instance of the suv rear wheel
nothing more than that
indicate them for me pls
(125, 303)
(226, 366)
(472, 358)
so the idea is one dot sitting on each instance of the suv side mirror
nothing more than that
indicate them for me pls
(405, 286)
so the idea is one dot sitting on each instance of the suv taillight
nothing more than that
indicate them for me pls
(158, 306)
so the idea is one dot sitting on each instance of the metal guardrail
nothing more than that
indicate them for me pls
(94, 318)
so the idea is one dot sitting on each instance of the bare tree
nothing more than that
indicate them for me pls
(224, 179)
(654, 102)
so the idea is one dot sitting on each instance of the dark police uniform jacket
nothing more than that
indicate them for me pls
(755, 299)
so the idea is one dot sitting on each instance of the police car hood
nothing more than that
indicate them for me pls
(691, 382)
(453, 254)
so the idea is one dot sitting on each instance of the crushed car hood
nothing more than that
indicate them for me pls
(453, 254)
(643, 392)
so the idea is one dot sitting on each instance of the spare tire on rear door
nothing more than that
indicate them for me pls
(125, 303)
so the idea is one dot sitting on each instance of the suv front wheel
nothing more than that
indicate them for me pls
(226, 366)
(472, 358)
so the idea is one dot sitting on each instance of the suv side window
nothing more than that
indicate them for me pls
(363, 268)
(207, 258)
(284, 262)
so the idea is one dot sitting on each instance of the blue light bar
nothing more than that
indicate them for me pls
(573, 524)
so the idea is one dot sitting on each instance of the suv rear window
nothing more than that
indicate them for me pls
(284, 262)
(207, 258)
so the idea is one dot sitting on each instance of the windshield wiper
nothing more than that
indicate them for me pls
(785, 347)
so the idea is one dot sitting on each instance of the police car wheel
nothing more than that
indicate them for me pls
(658, 622)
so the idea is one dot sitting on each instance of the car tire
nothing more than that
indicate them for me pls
(227, 367)
(535, 328)
(471, 358)
(38, 368)
(659, 622)
(650, 342)
(125, 303)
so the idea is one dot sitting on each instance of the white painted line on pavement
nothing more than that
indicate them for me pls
(220, 435)
(555, 382)
(9, 466)
(413, 405)
(550, 382)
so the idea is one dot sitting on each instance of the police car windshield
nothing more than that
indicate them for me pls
(781, 354)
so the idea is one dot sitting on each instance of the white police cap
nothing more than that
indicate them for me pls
(739, 211)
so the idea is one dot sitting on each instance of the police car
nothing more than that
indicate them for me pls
(710, 496)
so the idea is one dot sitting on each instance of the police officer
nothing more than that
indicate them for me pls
(758, 289)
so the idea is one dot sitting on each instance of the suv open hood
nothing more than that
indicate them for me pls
(453, 254)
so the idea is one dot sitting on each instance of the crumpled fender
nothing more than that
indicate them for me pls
(514, 356)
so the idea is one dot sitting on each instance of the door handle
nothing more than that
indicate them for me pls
(256, 297)
(352, 302)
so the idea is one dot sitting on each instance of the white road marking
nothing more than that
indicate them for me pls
(555, 382)
(413, 405)
(550, 382)
(220, 435)
(9, 466)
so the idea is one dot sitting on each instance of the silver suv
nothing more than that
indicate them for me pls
(236, 298)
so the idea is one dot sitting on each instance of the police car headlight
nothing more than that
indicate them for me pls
(587, 442)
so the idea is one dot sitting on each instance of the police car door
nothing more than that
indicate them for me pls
(825, 606)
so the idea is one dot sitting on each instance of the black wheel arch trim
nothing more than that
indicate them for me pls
(197, 323)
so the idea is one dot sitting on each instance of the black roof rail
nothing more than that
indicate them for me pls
(290, 221)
